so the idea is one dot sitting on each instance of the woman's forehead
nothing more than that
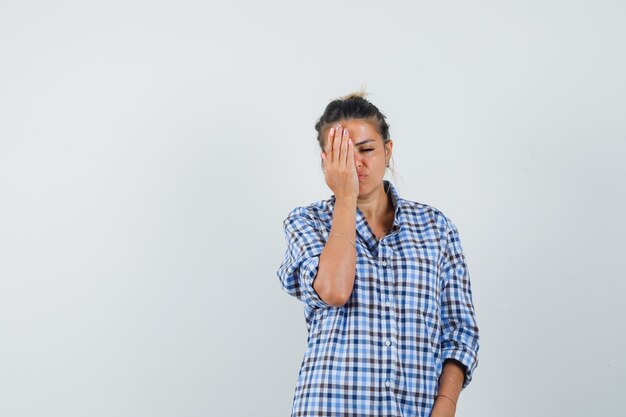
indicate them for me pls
(360, 129)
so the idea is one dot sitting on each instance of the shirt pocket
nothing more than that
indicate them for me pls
(418, 278)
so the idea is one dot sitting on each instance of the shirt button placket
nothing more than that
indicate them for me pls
(388, 328)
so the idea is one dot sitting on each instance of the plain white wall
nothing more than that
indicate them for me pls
(149, 152)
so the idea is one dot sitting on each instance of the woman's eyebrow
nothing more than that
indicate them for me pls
(364, 141)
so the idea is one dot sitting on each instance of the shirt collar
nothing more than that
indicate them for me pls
(391, 190)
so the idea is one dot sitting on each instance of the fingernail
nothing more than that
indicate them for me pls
(332, 130)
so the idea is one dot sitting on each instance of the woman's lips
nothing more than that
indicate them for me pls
(362, 176)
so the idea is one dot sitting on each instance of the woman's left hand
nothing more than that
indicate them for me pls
(443, 408)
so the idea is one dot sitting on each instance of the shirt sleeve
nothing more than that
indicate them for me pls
(298, 270)
(460, 338)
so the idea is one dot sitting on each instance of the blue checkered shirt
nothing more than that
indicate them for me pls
(381, 354)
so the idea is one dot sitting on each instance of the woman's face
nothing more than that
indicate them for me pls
(370, 158)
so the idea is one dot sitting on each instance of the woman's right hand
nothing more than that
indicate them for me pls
(338, 162)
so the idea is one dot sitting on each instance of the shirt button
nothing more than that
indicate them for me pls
(388, 342)
(384, 263)
(387, 383)
(387, 303)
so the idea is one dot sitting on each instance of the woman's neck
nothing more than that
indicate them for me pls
(376, 205)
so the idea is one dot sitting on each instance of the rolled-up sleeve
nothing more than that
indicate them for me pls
(460, 338)
(298, 270)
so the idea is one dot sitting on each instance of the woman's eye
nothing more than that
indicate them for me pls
(366, 150)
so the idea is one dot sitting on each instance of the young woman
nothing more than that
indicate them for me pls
(388, 302)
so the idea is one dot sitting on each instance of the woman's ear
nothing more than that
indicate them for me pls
(388, 148)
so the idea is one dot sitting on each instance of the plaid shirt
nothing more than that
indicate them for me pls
(381, 354)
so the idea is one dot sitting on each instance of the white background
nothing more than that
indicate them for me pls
(149, 152)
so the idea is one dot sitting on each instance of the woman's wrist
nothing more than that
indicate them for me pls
(447, 397)
(443, 407)
(347, 199)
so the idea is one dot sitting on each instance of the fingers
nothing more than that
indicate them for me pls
(338, 150)
(350, 159)
(327, 158)
(329, 141)
(344, 148)
(337, 144)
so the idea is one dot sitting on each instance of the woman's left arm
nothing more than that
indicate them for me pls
(459, 331)
(450, 383)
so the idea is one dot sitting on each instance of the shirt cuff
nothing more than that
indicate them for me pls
(467, 356)
(308, 270)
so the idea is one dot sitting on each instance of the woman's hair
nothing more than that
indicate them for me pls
(352, 106)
